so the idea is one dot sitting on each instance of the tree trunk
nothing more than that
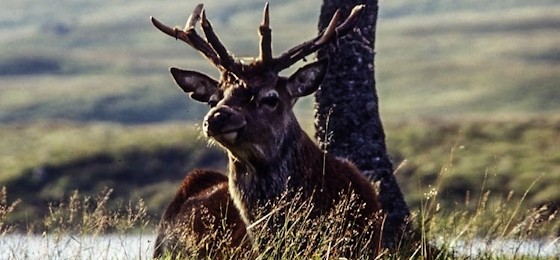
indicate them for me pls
(347, 118)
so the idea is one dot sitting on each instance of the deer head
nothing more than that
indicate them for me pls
(251, 105)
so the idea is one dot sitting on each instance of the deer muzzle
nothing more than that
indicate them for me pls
(224, 124)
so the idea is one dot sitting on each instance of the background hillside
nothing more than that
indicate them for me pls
(86, 100)
(434, 58)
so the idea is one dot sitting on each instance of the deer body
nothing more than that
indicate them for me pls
(199, 209)
(270, 156)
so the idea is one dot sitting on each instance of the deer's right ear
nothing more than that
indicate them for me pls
(199, 86)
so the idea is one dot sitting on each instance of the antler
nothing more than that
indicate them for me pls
(266, 37)
(227, 61)
(215, 51)
(212, 48)
(332, 32)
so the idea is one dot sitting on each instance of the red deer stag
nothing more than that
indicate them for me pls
(270, 156)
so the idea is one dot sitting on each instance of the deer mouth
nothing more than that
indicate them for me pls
(227, 136)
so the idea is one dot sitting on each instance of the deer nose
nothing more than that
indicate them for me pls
(224, 123)
(216, 122)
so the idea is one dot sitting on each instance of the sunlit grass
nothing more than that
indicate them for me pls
(79, 226)
(495, 228)
(512, 152)
(6, 208)
(487, 225)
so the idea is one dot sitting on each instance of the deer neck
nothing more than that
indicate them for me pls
(256, 183)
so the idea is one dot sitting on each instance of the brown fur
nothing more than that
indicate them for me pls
(310, 175)
(199, 207)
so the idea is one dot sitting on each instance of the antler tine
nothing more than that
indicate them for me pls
(266, 37)
(189, 35)
(350, 22)
(194, 17)
(227, 61)
(330, 33)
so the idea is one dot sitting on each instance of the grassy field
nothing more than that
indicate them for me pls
(433, 59)
(468, 93)
(499, 63)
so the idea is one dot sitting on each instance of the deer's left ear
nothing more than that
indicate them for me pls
(307, 79)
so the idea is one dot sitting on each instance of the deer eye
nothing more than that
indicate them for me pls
(270, 100)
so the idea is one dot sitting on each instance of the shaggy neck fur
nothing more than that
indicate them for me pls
(257, 183)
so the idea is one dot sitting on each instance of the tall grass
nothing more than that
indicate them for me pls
(488, 226)
(78, 227)
(85, 215)
(495, 228)
(298, 234)
(5, 210)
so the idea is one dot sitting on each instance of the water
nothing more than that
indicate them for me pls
(124, 246)
(538, 249)
(135, 246)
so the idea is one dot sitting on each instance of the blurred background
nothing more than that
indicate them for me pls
(469, 90)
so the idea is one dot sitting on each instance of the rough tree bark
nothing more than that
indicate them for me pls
(347, 118)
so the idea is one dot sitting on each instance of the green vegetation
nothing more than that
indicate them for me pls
(506, 155)
(470, 64)
(46, 161)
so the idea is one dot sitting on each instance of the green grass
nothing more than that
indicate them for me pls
(469, 63)
(507, 154)
(46, 161)
(26, 146)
